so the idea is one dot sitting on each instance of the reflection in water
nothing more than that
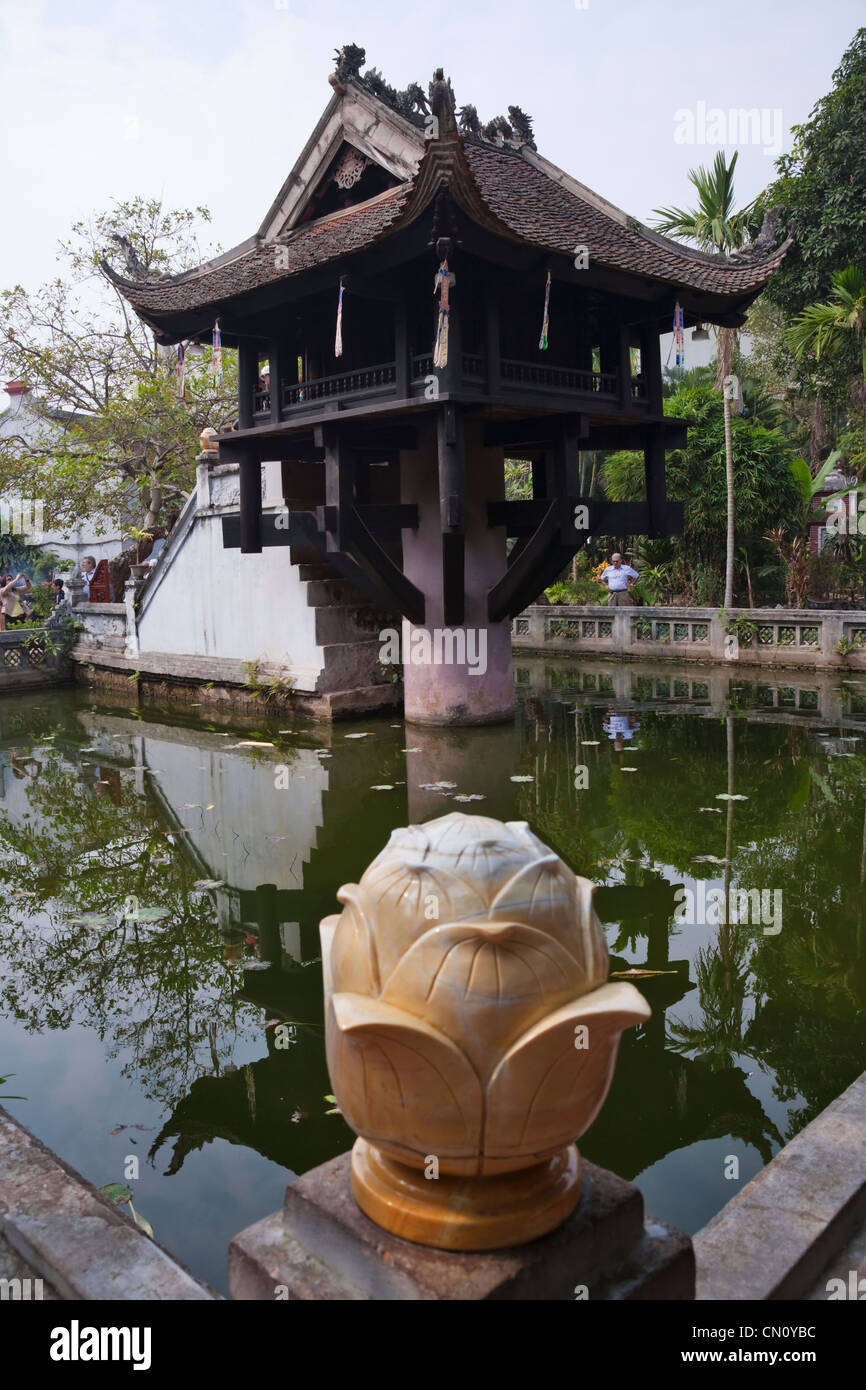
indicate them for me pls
(164, 884)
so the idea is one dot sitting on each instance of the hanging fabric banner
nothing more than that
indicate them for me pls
(217, 355)
(181, 371)
(338, 341)
(679, 337)
(545, 322)
(441, 283)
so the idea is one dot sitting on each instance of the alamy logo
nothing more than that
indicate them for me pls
(22, 516)
(21, 1290)
(710, 907)
(76, 1343)
(737, 126)
(438, 646)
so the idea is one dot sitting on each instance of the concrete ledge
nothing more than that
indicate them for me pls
(774, 1238)
(67, 1234)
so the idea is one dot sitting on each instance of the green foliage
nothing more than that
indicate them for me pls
(271, 687)
(518, 480)
(114, 427)
(712, 224)
(768, 488)
(820, 189)
(580, 590)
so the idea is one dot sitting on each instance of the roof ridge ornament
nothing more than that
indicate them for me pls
(441, 95)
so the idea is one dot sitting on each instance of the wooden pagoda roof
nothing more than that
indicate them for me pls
(508, 190)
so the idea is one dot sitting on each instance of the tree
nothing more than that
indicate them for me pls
(126, 441)
(768, 485)
(713, 225)
(827, 328)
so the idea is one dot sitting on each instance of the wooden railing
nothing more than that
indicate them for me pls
(535, 374)
(366, 379)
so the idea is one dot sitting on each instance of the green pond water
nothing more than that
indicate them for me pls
(152, 1035)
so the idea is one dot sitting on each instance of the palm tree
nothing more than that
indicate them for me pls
(826, 328)
(713, 225)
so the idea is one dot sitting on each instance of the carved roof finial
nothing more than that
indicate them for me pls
(442, 102)
(348, 62)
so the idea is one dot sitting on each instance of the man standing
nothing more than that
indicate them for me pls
(88, 569)
(618, 580)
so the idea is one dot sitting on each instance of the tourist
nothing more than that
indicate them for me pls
(620, 728)
(618, 580)
(14, 611)
(88, 569)
(57, 585)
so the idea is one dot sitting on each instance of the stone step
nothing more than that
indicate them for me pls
(326, 591)
(349, 622)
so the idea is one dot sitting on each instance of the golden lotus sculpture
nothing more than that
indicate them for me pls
(471, 1034)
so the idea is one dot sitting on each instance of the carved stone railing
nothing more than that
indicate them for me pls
(775, 637)
(34, 656)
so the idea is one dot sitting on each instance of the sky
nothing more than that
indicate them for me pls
(210, 103)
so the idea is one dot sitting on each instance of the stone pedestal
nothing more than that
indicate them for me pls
(322, 1246)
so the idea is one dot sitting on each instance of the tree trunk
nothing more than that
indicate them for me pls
(154, 507)
(726, 341)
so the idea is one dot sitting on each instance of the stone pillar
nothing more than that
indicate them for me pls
(130, 589)
(438, 687)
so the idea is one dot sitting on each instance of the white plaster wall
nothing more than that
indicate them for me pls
(212, 602)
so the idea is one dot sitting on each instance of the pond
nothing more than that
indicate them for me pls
(164, 876)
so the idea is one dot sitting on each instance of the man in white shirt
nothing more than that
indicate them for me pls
(618, 579)
(88, 569)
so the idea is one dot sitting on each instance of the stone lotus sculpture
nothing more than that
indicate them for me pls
(471, 1034)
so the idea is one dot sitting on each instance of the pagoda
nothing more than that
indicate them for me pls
(427, 295)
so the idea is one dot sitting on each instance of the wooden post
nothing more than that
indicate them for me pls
(651, 366)
(277, 361)
(401, 350)
(494, 354)
(654, 472)
(625, 398)
(250, 476)
(248, 375)
(452, 510)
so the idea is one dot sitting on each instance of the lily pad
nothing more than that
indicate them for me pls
(730, 796)
(383, 787)
(116, 1192)
(90, 919)
(148, 914)
(469, 796)
(522, 779)
(203, 883)
(358, 735)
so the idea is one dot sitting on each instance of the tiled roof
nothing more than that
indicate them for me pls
(502, 189)
(541, 211)
(311, 245)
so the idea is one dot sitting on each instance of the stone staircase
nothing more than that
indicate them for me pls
(348, 628)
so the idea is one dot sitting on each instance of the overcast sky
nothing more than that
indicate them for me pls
(210, 101)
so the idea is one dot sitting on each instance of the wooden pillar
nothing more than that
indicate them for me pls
(651, 366)
(654, 472)
(250, 477)
(277, 360)
(401, 349)
(452, 509)
(494, 354)
(625, 397)
(248, 375)
(339, 486)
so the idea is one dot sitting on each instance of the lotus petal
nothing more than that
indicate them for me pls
(353, 962)
(547, 1089)
(400, 1082)
(401, 896)
(547, 895)
(483, 984)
